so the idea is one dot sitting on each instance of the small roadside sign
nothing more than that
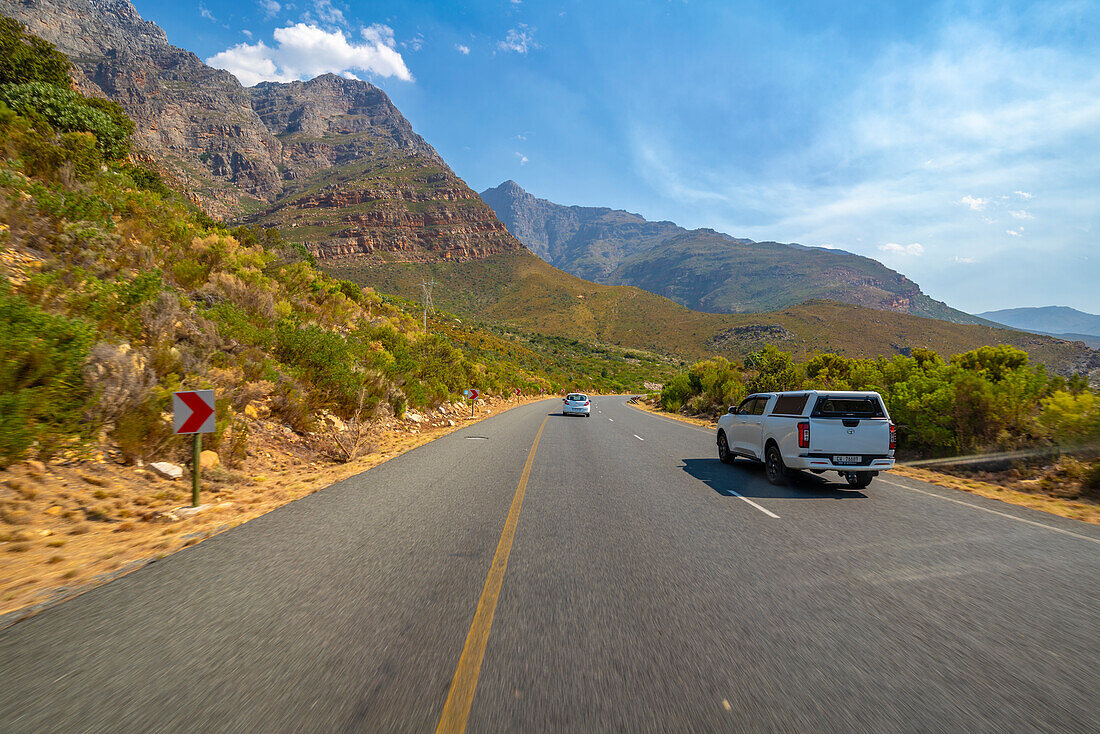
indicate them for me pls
(193, 411)
(472, 394)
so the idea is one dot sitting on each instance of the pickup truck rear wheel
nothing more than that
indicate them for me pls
(773, 466)
(724, 454)
(858, 479)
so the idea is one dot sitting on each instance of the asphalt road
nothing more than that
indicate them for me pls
(648, 588)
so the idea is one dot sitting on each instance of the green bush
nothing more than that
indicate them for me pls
(25, 58)
(42, 391)
(67, 111)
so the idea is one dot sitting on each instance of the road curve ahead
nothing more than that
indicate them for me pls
(616, 577)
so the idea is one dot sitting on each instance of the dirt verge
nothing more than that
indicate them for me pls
(68, 526)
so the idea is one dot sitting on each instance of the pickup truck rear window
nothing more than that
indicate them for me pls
(827, 407)
(790, 404)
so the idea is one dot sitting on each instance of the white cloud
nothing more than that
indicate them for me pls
(1023, 194)
(304, 51)
(1018, 232)
(271, 8)
(1022, 214)
(247, 33)
(519, 40)
(895, 249)
(965, 260)
(522, 159)
(974, 203)
(205, 13)
(464, 50)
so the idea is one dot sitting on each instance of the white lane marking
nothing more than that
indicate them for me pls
(674, 421)
(765, 510)
(611, 419)
(638, 437)
(994, 512)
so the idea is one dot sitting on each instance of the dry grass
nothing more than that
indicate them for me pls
(282, 467)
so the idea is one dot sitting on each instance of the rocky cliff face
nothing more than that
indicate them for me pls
(588, 242)
(195, 121)
(703, 269)
(361, 184)
(331, 159)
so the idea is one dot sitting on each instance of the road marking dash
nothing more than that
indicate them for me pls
(765, 510)
(456, 710)
(994, 512)
(611, 419)
(638, 437)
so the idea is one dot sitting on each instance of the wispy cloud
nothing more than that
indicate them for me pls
(519, 40)
(1018, 232)
(464, 50)
(895, 249)
(271, 8)
(1021, 214)
(522, 158)
(933, 133)
(964, 260)
(205, 13)
(303, 51)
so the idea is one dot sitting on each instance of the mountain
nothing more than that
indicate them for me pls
(701, 268)
(331, 160)
(1063, 321)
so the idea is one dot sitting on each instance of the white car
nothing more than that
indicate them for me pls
(817, 430)
(576, 403)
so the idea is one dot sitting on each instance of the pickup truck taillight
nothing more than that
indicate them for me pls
(804, 435)
(893, 437)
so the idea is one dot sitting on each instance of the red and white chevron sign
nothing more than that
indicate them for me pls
(193, 411)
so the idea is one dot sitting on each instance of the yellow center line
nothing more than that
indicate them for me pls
(461, 696)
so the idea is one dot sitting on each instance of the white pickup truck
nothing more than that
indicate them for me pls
(846, 432)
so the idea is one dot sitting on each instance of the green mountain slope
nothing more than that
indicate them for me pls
(523, 292)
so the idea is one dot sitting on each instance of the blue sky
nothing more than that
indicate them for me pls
(957, 142)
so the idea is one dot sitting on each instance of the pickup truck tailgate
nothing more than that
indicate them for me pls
(844, 436)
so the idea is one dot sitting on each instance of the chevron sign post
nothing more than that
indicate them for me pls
(193, 412)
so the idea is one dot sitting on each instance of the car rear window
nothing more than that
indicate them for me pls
(838, 407)
(576, 398)
(790, 404)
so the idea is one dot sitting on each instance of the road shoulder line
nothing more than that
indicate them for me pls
(991, 511)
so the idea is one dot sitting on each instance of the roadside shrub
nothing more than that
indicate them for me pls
(67, 111)
(141, 430)
(42, 391)
(119, 378)
(1069, 418)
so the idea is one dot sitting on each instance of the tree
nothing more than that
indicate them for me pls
(25, 58)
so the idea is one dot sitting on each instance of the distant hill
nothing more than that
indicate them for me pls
(703, 269)
(1061, 321)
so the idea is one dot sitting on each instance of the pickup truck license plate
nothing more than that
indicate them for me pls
(847, 459)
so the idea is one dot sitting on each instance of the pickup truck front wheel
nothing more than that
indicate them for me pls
(773, 466)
